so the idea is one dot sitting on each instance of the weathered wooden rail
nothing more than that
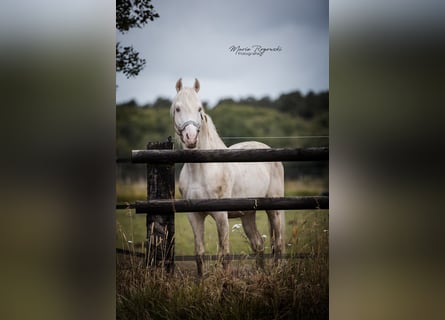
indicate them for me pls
(161, 205)
(230, 155)
(232, 204)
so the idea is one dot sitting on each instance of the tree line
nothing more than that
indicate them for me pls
(291, 120)
(295, 103)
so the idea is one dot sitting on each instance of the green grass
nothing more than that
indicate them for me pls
(301, 225)
(130, 192)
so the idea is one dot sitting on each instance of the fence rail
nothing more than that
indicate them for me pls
(161, 206)
(230, 155)
(232, 204)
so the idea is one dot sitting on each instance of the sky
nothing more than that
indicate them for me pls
(193, 39)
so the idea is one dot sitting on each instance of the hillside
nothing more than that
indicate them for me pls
(275, 123)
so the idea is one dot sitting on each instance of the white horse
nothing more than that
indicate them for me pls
(196, 130)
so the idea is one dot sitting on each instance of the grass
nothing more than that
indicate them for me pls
(130, 192)
(305, 186)
(300, 228)
(131, 226)
(292, 289)
(296, 290)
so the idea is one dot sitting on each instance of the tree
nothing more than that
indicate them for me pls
(131, 14)
(264, 102)
(128, 61)
(162, 103)
(224, 101)
(293, 103)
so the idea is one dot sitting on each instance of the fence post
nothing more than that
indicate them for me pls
(161, 228)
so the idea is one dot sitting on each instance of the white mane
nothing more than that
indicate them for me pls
(210, 138)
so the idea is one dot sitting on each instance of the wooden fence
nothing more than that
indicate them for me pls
(161, 205)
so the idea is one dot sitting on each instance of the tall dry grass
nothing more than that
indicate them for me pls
(293, 289)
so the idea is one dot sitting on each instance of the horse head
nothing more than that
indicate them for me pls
(187, 114)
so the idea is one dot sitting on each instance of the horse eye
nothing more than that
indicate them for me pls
(200, 109)
(177, 109)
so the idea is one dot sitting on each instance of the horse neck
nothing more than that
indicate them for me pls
(209, 138)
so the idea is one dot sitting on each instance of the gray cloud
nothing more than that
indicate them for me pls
(192, 39)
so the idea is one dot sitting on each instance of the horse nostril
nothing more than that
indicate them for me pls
(187, 136)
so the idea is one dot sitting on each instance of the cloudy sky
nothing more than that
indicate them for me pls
(192, 39)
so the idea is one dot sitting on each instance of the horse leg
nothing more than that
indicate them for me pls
(276, 236)
(197, 222)
(222, 224)
(256, 241)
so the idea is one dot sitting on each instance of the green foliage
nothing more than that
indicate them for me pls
(131, 14)
(262, 120)
(293, 103)
(137, 126)
(304, 106)
(234, 120)
(128, 61)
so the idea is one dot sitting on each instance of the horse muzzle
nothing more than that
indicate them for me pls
(189, 136)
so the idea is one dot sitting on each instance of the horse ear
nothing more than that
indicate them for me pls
(179, 85)
(197, 85)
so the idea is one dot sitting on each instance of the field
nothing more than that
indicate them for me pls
(300, 224)
(295, 288)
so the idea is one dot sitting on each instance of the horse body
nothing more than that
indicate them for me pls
(224, 180)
